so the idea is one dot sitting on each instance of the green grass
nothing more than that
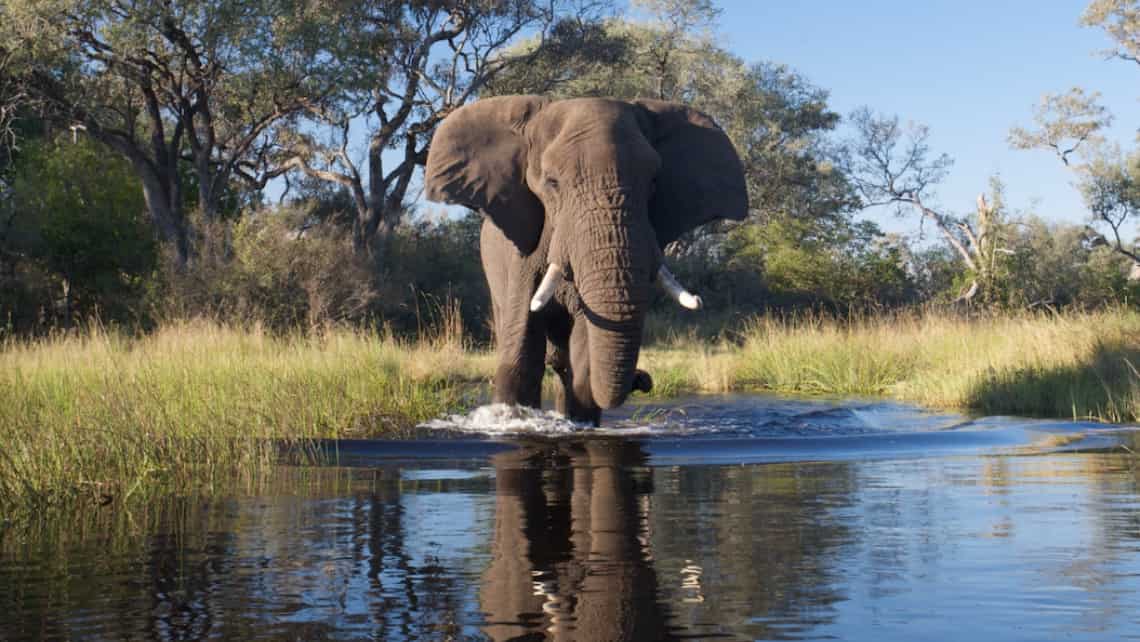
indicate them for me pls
(1081, 366)
(102, 416)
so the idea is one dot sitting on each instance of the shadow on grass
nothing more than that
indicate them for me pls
(1106, 387)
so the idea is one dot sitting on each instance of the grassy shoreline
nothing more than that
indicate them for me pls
(100, 415)
(1073, 366)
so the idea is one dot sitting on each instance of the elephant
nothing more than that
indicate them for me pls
(570, 556)
(579, 198)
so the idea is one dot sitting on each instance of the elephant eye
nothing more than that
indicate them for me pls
(551, 182)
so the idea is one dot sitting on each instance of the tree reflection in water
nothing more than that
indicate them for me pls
(569, 557)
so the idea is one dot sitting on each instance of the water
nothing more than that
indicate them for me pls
(732, 517)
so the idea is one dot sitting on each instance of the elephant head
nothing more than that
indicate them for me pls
(596, 188)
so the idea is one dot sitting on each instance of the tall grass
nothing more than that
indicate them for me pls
(97, 414)
(1079, 365)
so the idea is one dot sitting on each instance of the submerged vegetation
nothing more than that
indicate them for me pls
(100, 415)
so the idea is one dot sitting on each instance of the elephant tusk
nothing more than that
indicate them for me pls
(685, 298)
(546, 288)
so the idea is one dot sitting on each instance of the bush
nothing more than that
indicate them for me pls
(271, 267)
(431, 265)
(74, 238)
(288, 268)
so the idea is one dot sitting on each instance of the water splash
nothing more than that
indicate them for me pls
(507, 419)
(731, 417)
(500, 419)
(724, 417)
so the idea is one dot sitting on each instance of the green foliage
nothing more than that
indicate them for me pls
(75, 219)
(86, 415)
(1066, 123)
(272, 267)
(435, 264)
(193, 404)
(197, 87)
(859, 271)
(294, 267)
(1069, 365)
(1057, 265)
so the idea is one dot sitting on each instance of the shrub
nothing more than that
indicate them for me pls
(270, 266)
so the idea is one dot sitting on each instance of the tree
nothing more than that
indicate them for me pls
(1110, 185)
(1107, 178)
(1066, 123)
(412, 63)
(1056, 264)
(204, 82)
(77, 220)
(1120, 19)
(680, 29)
(1074, 123)
(891, 164)
(12, 98)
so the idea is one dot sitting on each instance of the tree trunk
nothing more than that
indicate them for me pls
(207, 198)
(374, 228)
(162, 202)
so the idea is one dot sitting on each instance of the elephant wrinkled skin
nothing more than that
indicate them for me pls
(588, 190)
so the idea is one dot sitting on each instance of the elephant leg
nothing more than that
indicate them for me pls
(518, 378)
(558, 358)
(519, 336)
(522, 349)
(581, 406)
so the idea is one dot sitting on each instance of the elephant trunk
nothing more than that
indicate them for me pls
(613, 360)
(613, 270)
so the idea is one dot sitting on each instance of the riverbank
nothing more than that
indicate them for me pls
(1073, 366)
(99, 415)
(195, 403)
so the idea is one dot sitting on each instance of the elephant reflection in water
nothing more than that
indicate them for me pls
(569, 554)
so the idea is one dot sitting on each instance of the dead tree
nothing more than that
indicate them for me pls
(891, 165)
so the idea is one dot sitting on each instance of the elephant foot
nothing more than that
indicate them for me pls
(592, 416)
(642, 381)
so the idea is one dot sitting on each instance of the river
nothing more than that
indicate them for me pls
(734, 517)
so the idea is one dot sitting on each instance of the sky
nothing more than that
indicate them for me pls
(969, 70)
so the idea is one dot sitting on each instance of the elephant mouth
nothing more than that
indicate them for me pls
(555, 273)
(614, 336)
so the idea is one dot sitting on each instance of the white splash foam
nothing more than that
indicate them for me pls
(506, 419)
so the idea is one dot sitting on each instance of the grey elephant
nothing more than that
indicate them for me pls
(579, 197)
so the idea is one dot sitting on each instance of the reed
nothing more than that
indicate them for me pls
(95, 413)
(99, 414)
(1076, 365)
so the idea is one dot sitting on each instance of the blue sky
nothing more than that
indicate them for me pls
(969, 70)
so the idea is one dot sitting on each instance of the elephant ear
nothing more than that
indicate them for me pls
(478, 158)
(701, 178)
